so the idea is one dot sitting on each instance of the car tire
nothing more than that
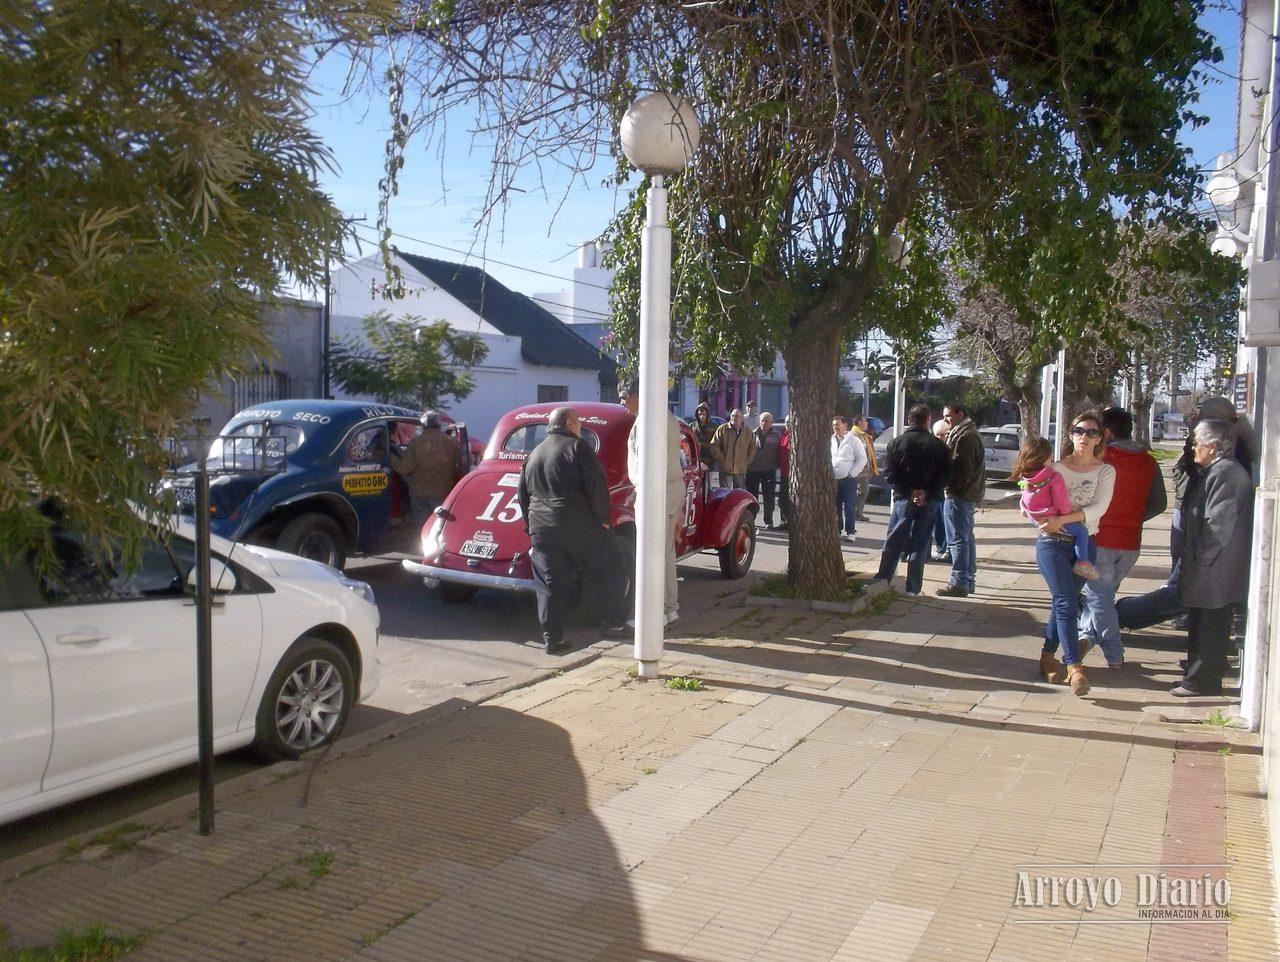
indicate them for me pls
(736, 556)
(316, 537)
(455, 593)
(316, 673)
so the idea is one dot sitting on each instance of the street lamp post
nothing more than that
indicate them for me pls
(659, 134)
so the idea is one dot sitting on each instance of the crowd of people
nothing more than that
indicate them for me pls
(1086, 509)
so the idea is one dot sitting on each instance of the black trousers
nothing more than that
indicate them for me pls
(563, 557)
(1208, 643)
(756, 480)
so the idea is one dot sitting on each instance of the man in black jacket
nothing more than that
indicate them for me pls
(565, 504)
(917, 466)
(965, 490)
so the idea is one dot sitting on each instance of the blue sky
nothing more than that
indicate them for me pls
(440, 194)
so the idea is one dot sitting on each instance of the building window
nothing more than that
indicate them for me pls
(552, 393)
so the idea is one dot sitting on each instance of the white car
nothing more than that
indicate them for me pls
(1000, 446)
(98, 666)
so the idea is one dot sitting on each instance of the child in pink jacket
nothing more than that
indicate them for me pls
(1044, 495)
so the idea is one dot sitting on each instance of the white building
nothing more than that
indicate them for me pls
(533, 356)
(1246, 191)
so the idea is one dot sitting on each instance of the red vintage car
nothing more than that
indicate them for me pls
(477, 537)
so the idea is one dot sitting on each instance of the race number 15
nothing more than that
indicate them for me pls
(509, 513)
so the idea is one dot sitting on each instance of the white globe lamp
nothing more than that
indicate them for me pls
(659, 133)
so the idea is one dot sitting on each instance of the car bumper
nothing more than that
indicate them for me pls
(476, 579)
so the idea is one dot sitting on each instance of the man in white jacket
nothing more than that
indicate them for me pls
(848, 459)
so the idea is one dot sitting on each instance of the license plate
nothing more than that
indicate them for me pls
(479, 549)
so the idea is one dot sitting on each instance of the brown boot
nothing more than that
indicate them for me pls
(1076, 679)
(1049, 667)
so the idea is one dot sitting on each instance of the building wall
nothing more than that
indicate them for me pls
(505, 380)
(291, 371)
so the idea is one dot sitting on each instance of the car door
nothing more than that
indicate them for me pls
(122, 657)
(693, 494)
(365, 474)
(26, 699)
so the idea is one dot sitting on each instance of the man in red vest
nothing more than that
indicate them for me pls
(1138, 497)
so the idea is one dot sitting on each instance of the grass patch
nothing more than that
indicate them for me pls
(118, 839)
(1217, 719)
(89, 944)
(1166, 454)
(648, 771)
(317, 864)
(778, 586)
(683, 683)
(880, 603)
(370, 937)
(1224, 751)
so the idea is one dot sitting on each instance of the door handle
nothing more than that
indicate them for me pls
(82, 636)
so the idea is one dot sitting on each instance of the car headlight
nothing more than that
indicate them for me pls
(361, 588)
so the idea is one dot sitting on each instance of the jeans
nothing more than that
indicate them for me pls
(1054, 558)
(768, 481)
(1099, 619)
(1143, 611)
(964, 554)
(784, 497)
(1080, 537)
(846, 505)
(940, 538)
(910, 528)
(733, 480)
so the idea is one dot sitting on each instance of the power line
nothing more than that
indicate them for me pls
(491, 260)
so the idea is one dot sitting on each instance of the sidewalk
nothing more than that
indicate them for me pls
(854, 788)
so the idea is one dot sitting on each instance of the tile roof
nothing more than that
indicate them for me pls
(544, 338)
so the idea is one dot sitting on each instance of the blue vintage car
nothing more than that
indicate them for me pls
(312, 478)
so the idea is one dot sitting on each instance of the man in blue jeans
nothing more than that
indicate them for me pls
(966, 488)
(917, 466)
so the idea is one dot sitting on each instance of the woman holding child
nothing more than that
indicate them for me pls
(1087, 483)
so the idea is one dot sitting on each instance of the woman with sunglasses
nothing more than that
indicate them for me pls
(1089, 482)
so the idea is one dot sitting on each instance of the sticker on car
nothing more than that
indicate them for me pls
(363, 484)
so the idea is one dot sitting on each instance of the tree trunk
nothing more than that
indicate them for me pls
(1142, 421)
(815, 565)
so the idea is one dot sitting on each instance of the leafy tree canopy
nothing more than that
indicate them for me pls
(407, 361)
(157, 180)
(1009, 133)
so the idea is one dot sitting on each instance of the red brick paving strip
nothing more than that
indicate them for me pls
(1195, 834)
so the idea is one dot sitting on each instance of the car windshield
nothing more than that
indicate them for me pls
(527, 437)
(1000, 440)
(255, 446)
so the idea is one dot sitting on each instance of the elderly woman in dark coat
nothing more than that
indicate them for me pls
(1217, 526)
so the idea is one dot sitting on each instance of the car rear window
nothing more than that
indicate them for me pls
(527, 437)
(255, 445)
(1000, 440)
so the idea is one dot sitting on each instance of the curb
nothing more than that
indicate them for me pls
(170, 815)
(870, 590)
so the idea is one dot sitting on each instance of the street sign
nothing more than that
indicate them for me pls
(1240, 385)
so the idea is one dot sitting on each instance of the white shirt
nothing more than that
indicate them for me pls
(1089, 491)
(848, 455)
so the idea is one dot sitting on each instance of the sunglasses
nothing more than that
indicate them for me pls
(1080, 432)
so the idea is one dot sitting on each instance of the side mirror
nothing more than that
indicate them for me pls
(221, 576)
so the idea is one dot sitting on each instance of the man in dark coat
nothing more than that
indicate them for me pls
(965, 491)
(917, 466)
(1217, 528)
(565, 503)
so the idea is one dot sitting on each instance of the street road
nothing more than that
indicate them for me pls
(431, 651)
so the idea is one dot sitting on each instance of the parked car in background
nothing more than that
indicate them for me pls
(98, 663)
(477, 539)
(1001, 449)
(313, 478)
